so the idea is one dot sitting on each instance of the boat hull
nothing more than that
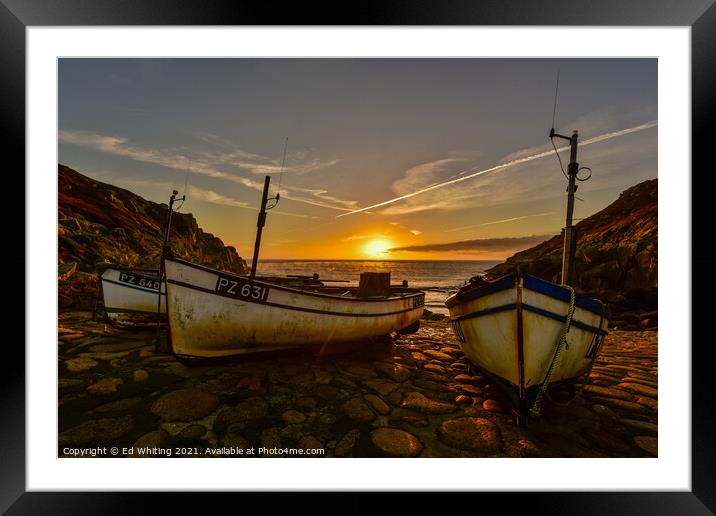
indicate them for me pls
(215, 314)
(510, 329)
(127, 293)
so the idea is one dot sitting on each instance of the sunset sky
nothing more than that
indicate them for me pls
(363, 132)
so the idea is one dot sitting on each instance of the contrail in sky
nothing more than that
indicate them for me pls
(501, 221)
(596, 139)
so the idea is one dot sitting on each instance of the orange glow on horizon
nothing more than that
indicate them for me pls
(378, 248)
(362, 242)
(373, 247)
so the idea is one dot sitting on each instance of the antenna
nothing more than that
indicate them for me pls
(283, 162)
(554, 109)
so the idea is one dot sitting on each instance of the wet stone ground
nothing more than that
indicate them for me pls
(414, 396)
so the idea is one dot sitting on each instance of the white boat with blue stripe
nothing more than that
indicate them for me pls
(512, 330)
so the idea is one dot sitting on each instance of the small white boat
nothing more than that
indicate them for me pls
(511, 329)
(217, 314)
(127, 293)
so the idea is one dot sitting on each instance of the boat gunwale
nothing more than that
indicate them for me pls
(126, 268)
(410, 292)
(299, 308)
(532, 309)
(135, 287)
(534, 284)
(475, 292)
(154, 274)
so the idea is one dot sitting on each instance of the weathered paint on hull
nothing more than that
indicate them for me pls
(122, 297)
(209, 317)
(512, 333)
(541, 334)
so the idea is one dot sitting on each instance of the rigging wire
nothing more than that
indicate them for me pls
(186, 181)
(560, 159)
(280, 177)
(551, 139)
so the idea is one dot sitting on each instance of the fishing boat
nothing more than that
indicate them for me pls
(532, 336)
(131, 293)
(512, 330)
(212, 313)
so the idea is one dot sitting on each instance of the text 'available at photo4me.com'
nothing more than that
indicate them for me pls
(157, 451)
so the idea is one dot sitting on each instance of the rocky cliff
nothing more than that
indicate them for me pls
(100, 223)
(616, 257)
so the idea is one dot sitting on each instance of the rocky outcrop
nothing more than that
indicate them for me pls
(99, 223)
(616, 257)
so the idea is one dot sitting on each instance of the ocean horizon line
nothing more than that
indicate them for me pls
(365, 260)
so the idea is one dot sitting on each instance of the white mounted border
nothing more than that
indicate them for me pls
(671, 471)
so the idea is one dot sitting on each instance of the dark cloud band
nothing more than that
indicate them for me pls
(480, 245)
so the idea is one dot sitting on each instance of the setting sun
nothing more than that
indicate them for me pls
(377, 248)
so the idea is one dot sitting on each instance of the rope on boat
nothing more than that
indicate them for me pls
(586, 374)
(537, 406)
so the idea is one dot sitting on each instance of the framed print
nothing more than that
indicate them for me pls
(429, 248)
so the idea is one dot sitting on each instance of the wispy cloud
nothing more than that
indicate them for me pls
(353, 238)
(415, 232)
(193, 193)
(130, 183)
(212, 197)
(472, 173)
(483, 245)
(493, 222)
(420, 175)
(208, 164)
(297, 162)
(281, 243)
(216, 198)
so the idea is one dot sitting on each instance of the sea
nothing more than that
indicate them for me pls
(439, 278)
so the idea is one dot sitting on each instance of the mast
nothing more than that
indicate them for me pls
(570, 238)
(260, 223)
(165, 249)
(168, 223)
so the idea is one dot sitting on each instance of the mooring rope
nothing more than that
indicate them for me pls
(537, 406)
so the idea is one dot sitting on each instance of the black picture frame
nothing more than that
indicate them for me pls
(700, 15)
